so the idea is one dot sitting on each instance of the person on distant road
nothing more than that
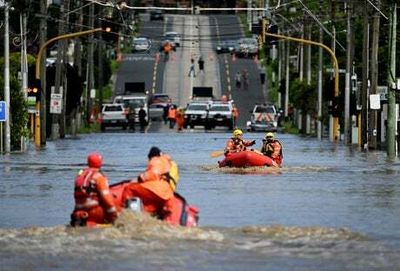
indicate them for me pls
(167, 48)
(192, 70)
(238, 80)
(272, 148)
(201, 64)
(172, 116)
(142, 119)
(236, 143)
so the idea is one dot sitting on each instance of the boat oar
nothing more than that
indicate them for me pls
(215, 154)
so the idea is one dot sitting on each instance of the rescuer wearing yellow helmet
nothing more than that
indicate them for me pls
(236, 143)
(272, 148)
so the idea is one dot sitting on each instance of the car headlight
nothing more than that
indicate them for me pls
(218, 48)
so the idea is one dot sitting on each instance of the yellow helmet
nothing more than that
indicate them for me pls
(269, 135)
(237, 132)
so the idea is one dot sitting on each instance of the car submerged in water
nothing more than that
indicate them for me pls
(264, 117)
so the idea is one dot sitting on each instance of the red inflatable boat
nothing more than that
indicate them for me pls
(246, 159)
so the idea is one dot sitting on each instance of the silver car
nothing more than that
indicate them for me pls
(141, 45)
(246, 47)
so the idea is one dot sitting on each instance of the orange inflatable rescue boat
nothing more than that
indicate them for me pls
(246, 159)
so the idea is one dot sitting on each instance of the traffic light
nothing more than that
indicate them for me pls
(110, 30)
(336, 108)
(34, 89)
(273, 29)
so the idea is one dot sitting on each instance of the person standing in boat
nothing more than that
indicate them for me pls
(94, 203)
(236, 143)
(156, 186)
(272, 148)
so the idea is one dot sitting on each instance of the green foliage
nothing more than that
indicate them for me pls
(303, 96)
(289, 128)
(18, 106)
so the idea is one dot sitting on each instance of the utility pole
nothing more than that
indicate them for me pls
(374, 75)
(287, 78)
(24, 65)
(347, 133)
(43, 108)
(90, 79)
(7, 145)
(55, 125)
(365, 81)
(321, 40)
(391, 117)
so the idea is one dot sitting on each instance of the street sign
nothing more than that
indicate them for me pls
(383, 92)
(55, 103)
(2, 111)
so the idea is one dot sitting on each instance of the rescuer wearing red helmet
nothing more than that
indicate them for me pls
(236, 143)
(93, 202)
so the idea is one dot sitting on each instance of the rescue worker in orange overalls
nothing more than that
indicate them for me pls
(172, 116)
(180, 119)
(272, 148)
(236, 143)
(93, 202)
(155, 187)
(235, 114)
(167, 49)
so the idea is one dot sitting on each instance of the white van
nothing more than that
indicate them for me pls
(135, 102)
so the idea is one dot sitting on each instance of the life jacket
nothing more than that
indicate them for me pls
(167, 47)
(274, 150)
(93, 202)
(172, 113)
(85, 193)
(236, 145)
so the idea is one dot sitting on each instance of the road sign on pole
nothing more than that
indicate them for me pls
(3, 111)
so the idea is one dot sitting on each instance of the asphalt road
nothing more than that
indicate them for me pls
(200, 35)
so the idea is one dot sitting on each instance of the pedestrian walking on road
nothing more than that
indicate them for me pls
(172, 116)
(142, 119)
(201, 64)
(238, 80)
(192, 68)
(245, 79)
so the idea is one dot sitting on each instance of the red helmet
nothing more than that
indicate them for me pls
(95, 160)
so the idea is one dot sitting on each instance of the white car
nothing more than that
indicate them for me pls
(173, 36)
(141, 44)
(113, 115)
(264, 117)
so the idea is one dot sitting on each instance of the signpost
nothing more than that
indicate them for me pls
(2, 119)
(2, 111)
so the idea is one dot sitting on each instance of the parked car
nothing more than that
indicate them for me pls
(220, 114)
(174, 36)
(156, 111)
(160, 98)
(225, 46)
(156, 15)
(196, 114)
(141, 44)
(113, 115)
(264, 117)
(246, 47)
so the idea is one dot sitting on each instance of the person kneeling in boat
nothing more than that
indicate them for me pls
(94, 203)
(155, 186)
(236, 143)
(272, 148)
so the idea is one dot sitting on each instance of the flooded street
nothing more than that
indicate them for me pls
(328, 208)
